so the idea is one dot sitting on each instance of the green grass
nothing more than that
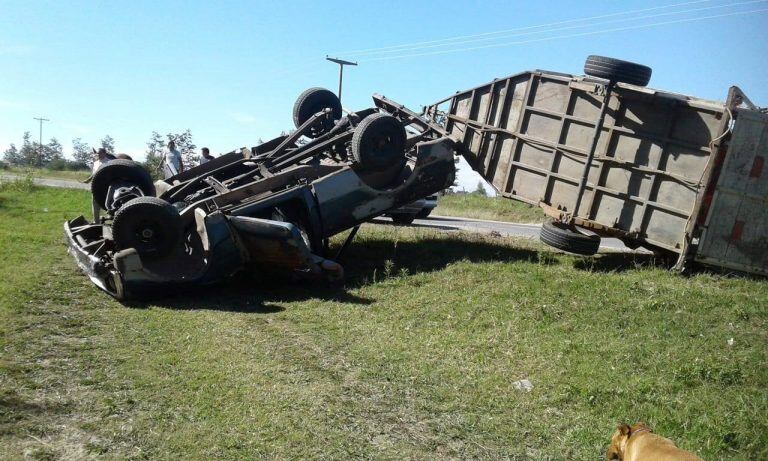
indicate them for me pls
(415, 358)
(493, 208)
(46, 173)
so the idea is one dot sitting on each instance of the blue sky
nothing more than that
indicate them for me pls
(231, 70)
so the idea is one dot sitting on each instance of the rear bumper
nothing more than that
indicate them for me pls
(100, 274)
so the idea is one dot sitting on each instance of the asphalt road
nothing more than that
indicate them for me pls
(443, 223)
(450, 223)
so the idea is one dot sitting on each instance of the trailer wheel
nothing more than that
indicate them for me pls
(617, 70)
(150, 225)
(378, 141)
(311, 102)
(120, 170)
(566, 238)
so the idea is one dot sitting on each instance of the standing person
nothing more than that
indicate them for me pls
(172, 163)
(207, 157)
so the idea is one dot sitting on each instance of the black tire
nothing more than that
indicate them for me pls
(563, 237)
(150, 225)
(617, 70)
(378, 141)
(312, 101)
(424, 213)
(403, 219)
(120, 170)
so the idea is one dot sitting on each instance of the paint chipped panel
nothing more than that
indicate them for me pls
(736, 229)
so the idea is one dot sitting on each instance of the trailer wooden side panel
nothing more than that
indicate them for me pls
(529, 135)
(735, 233)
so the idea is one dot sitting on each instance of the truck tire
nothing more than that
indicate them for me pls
(563, 237)
(120, 170)
(378, 142)
(150, 225)
(312, 101)
(617, 70)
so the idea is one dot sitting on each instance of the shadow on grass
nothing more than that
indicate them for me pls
(248, 294)
(620, 262)
(370, 259)
(374, 257)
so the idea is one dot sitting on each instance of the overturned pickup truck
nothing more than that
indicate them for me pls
(270, 208)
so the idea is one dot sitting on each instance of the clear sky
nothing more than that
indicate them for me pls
(231, 70)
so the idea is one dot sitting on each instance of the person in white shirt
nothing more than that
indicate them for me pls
(207, 157)
(172, 163)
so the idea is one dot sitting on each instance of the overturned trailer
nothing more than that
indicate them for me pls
(270, 208)
(604, 153)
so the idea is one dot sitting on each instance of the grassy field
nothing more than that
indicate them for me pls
(493, 208)
(417, 357)
(45, 173)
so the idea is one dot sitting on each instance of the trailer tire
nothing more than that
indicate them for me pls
(378, 142)
(152, 226)
(312, 101)
(120, 170)
(617, 70)
(566, 238)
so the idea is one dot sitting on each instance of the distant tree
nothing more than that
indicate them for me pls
(28, 151)
(108, 143)
(154, 157)
(82, 153)
(52, 151)
(12, 155)
(186, 147)
(480, 189)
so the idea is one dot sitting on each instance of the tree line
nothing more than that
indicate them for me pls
(51, 156)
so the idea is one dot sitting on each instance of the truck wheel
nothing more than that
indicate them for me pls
(378, 141)
(150, 225)
(312, 101)
(566, 238)
(120, 170)
(617, 70)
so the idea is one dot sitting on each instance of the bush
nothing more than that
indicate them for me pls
(22, 184)
(62, 164)
(4, 165)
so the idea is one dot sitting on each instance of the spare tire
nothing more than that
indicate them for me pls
(617, 70)
(152, 226)
(120, 170)
(567, 238)
(378, 141)
(312, 101)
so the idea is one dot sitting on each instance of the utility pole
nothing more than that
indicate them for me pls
(40, 141)
(341, 64)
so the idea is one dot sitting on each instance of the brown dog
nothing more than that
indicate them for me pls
(638, 443)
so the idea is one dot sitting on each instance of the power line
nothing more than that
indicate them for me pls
(40, 141)
(556, 37)
(621, 13)
(638, 18)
